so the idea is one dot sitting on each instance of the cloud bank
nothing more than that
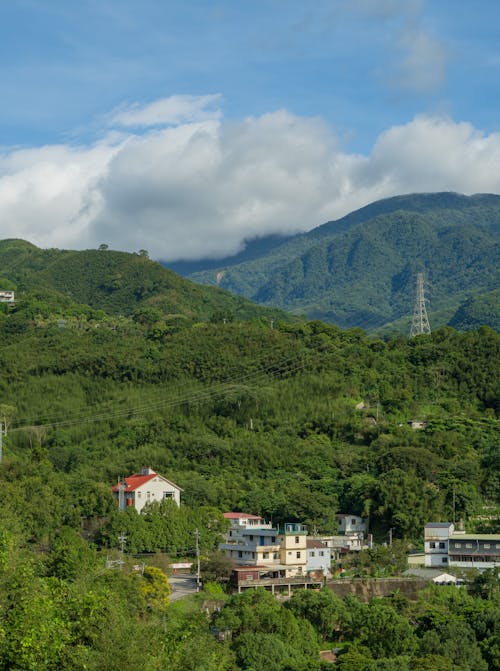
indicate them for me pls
(193, 185)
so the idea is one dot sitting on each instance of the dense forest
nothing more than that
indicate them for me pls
(288, 419)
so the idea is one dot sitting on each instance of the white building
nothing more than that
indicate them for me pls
(250, 541)
(436, 535)
(6, 296)
(145, 487)
(446, 547)
(352, 524)
(319, 557)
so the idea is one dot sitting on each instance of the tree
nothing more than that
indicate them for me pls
(155, 589)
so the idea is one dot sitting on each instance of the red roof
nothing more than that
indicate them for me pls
(237, 516)
(135, 481)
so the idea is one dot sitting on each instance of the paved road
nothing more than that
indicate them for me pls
(182, 584)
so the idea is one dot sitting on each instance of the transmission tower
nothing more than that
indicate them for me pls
(420, 321)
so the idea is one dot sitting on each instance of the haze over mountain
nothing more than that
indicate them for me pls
(360, 270)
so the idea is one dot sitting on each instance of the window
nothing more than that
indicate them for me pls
(312, 553)
(265, 555)
(240, 554)
(138, 495)
(289, 553)
(444, 560)
(297, 539)
(353, 521)
(487, 546)
(275, 555)
(458, 545)
(468, 545)
(442, 546)
(321, 553)
(148, 495)
(253, 555)
(432, 544)
(250, 537)
(168, 495)
(298, 555)
(273, 539)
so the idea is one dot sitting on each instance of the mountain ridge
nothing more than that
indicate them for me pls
(360, 270)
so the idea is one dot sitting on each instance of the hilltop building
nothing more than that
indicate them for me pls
(145, 487)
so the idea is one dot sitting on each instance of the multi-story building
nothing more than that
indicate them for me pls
(436, 535)
(319, 557)
(145, 487)
(352, 524)
(253, 542)
(444, 546)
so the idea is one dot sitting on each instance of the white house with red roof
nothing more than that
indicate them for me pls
(145, 487)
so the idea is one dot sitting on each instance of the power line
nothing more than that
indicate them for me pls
(286, 366)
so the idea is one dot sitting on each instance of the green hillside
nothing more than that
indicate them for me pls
(117, 283)
(360, 271)
(295, 423)
(480, 309)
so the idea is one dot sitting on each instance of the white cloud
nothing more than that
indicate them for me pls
(199, 189)
(167, 111)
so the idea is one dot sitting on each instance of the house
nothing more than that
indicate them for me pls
(479, 551)
(318, 556)
(145, 487)
(444, 546)
(350, 524)
(7, 296)
(436, 536)
(253, 542)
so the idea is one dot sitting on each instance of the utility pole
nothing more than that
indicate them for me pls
(197, 537)
(420, 321)
(122, 539)
(3, 432)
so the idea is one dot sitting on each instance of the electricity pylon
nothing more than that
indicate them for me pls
(420, 321)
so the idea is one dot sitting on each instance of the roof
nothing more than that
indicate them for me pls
(237, 516)
(494, 538)
(438, 525)
(133, 482)
(311, 543)
(349, 515)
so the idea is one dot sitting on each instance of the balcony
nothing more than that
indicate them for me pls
(293, 529)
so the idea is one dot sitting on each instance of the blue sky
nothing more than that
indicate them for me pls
(247, 117)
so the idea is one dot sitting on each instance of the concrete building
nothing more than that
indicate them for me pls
(145, 487)
(252, 542)
(436, 536)
(7, 296)
(319, 557)
(352, 524)
(479, 551)
(446, 547)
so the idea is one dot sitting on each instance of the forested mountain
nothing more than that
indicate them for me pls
(360, 270)
(117, 283)
(295, 422)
